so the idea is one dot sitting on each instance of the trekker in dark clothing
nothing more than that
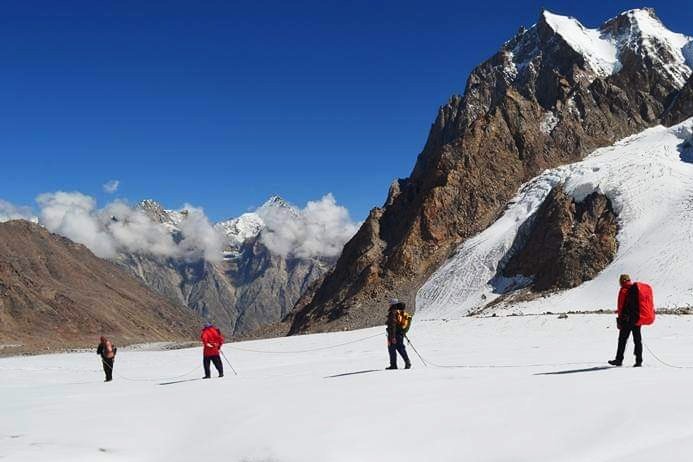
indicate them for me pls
(107, 351)
(395, 335)
(628, 321)
(212, 340)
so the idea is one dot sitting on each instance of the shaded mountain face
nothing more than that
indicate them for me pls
(57, 294)
(682, 106)
(552, 94)
(247, 288)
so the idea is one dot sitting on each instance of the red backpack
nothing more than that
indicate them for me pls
(646, 303)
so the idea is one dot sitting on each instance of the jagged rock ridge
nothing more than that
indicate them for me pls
(552, 94)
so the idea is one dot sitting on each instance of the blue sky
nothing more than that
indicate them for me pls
(222, 104)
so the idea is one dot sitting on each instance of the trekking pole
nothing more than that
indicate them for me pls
(229, 362)
(414, 348)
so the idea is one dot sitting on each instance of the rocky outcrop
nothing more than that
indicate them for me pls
(540, 102)
(566, 243)
(682, 106)
(57, 294)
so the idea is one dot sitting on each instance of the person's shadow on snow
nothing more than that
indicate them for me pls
(576, 371)
(345, 374)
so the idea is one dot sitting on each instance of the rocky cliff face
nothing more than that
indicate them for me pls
(247, 288)
(566, 243)
(57, 294)
(552, 94)
(681, 107)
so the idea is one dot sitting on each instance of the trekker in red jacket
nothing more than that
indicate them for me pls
(212, 340)
(627, 321)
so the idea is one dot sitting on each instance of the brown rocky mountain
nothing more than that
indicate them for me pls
(543, 100)
(56, 294)
(565, 243)
(249, 288)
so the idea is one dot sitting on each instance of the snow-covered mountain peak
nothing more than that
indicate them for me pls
(154, 210)
(275, 202)
(239, 230)
(249, 225)
(643, 33)
(598, 48)
(605, 49)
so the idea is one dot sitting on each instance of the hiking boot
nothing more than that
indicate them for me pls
(221, 375)
(407, 366)
(391, 368)
(206, 377)
(615, 362)
(637, 364)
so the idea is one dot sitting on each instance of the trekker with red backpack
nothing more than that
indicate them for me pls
(212, 340)
(635, 309)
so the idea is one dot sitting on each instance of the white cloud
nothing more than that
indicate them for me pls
(200, 237)
(319, 230)
(73, 215)
(135, 232)
(120, 228)
(111, 186)
(9, 212)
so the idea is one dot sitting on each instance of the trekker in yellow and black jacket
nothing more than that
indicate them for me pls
(395, 335)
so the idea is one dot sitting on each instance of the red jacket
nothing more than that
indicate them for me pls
(212, 340)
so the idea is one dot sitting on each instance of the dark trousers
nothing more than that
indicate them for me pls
(397, 347)
(108, 368)
(623, 335)
(217, 363)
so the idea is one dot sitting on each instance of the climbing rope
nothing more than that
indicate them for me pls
(658, 359)
(147, 379)
(329, 347)
(426, 363)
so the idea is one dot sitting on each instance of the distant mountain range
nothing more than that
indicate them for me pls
(248, 288)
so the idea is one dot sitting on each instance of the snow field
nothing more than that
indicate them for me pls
(339, 405)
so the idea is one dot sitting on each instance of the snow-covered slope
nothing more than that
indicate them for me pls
(649, 179)
(338, 405)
